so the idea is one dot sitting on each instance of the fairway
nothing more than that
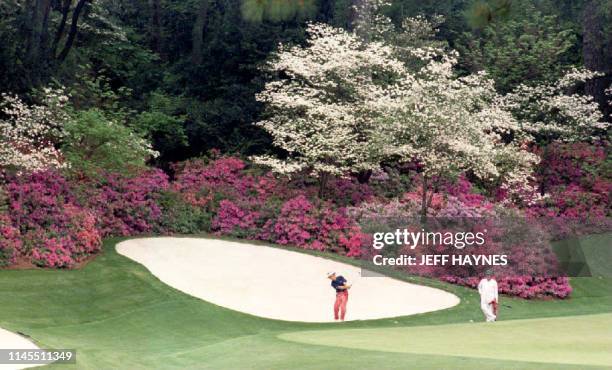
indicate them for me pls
(580, 340)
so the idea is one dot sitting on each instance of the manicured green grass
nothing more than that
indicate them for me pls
(581, 340)
(117, 315)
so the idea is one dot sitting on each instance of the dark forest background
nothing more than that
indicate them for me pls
(186, 71)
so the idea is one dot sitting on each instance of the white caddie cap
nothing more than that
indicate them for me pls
(329, 274)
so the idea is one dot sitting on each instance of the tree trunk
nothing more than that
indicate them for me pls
(62, 26)
(74, 28)
(155, 25)
(323, 180)
(424, 199)
(327, 11)
(593, 51)
(198, 32)
(37, 27)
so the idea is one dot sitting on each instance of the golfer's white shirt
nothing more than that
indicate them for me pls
(487, 290)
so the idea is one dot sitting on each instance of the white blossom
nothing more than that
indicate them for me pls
(29, 133)
(323, 114)
(547, 110)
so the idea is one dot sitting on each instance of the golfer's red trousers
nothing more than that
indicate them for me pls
(340, 305)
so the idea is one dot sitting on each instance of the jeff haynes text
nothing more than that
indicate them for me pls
(442, 260)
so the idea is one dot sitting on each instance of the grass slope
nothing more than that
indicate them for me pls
(119, 316)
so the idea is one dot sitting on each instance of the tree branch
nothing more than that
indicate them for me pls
(74, 27)
(62, 26)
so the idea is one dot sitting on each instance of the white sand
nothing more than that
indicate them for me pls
(10, 340)
(275, 283)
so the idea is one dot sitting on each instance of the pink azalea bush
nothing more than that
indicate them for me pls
(302, 223)
(234, 220)
(125, 205)
(10, 241)
(65, 247)
(248, 204)
(578, 183)
(349, 192)
(199, 182)
(578, 178)
(55, 230)
(527, 287)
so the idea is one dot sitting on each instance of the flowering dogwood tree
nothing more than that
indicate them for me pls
(550, 113)
(451, 125)
(29, 133)
(325, 110)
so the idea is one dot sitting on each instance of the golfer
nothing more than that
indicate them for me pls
(339, 283)
(488, 296)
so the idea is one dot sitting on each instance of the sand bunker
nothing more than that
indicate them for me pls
(276, 283)
(10, 340)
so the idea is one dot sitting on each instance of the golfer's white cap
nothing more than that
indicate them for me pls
(330, 274)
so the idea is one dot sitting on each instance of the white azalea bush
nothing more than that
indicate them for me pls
(29, 134)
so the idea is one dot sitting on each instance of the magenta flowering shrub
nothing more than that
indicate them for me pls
(10, 241)
(458, 209)
(578, 182)
(303, 224)
(198, 182)
(573, 201)
(578, 179)
(234, 220)
(36, 200)
(466, 207)
(55, 230)
(259, 206)
(67, 245)
(297, 224)
(533, 271)
(527, 287)
(579, 163)
(349, 192)
(126, 205)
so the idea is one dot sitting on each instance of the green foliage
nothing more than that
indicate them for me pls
(94, 143)
(6, 254)
(181, 217)
(482, 13)
(529, 49)
(91, 92)
(163, 124)
(259, 10)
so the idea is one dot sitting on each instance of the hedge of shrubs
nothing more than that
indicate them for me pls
(58, 222)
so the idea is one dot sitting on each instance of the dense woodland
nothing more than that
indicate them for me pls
(185, 73)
